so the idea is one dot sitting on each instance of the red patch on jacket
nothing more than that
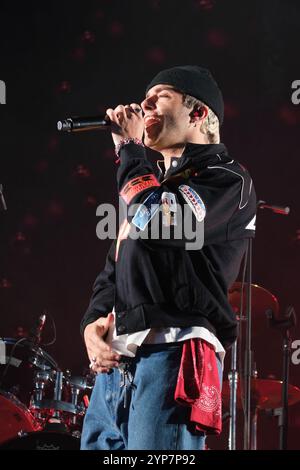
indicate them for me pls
(137, 185)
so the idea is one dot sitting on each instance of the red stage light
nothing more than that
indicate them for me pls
(5, 284)
(88, 37)
(205, 5)
(82, 171)
(19, 237)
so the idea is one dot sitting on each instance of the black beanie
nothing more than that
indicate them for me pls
(195, 81)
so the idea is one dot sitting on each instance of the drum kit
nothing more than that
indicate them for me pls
(41, 407)
(266, 394)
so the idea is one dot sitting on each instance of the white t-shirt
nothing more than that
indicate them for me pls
(127, 344)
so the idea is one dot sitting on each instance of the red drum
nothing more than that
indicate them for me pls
(14, 417)
(20, 362)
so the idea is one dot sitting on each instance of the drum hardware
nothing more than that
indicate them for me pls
(42, 379)
(246, 315)
(58, 390)
(259, 302)
(65, 408)
(21, 363)
(78, 385)
(262, 302)
(265, 307)
(75, 391)
(285, 324)
(266, 394)
(36, 332)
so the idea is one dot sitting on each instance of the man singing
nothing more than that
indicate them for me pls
(159, 321)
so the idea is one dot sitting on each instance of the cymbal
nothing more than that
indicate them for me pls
(262, 299)
(265, 393)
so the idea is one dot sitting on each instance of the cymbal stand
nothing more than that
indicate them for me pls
(233, 380)
(285, 324)
(233, 374)
(248, 351)
(254, 416)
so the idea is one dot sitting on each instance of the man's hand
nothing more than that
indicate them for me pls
(101, 356)
(126, 122)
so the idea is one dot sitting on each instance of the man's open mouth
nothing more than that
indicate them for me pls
(150, 121)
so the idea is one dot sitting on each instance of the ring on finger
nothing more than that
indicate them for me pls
(93, 361)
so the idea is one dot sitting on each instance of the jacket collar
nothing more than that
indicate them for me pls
(197, 155)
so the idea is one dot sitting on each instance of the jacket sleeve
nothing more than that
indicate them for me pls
(102, 299)
(203, 202)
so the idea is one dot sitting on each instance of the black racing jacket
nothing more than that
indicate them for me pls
(159, 281)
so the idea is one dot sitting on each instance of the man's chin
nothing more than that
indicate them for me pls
(152, 142)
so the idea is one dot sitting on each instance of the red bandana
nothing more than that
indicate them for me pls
(198, 385)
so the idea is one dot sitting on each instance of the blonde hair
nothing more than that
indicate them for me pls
(210, 126)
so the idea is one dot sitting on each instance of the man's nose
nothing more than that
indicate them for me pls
(147, 104)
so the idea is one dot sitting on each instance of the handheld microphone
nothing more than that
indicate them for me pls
(79, 124)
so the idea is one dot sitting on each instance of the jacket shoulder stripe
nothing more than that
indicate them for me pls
(242, 202)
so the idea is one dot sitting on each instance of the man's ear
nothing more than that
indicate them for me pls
(198, 113)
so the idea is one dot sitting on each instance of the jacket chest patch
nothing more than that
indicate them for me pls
(194, 201)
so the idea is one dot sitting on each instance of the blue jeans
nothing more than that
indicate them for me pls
(150, 419)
